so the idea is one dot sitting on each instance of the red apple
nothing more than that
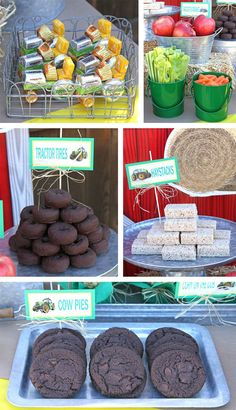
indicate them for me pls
(204, 26)
(7, 267)
(183, 30)
(163, 26)
(184, 21)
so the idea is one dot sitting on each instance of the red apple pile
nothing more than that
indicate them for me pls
(200, 26)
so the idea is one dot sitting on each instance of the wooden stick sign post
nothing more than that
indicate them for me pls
(143, 176)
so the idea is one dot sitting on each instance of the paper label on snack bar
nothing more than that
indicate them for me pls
(63, 153)
(158, 172)
(213, 287)
(192, 9)
(60, 304)
(1, 220)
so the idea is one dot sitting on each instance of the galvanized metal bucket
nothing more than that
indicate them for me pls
(197, 48)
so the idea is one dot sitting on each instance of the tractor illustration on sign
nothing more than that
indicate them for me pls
(45, 306)
(140, 174)
(79, 154)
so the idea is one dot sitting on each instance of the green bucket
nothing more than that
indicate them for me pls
(167, 95)
(216, 116)
(171, 112)
(211, 98)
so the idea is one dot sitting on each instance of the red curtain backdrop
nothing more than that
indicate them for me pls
(137, 144)
(5, 191)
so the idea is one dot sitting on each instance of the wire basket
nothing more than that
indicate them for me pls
(197, 48)
(116, 106)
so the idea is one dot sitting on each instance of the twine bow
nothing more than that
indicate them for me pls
(166, 191)
(212, 308)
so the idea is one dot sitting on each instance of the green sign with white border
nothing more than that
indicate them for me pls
(62, 153)
(157, 172)
(1, 220)
(60, 304)
(201, 287)
(193, 9)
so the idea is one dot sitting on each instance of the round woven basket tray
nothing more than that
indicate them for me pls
(206, 157)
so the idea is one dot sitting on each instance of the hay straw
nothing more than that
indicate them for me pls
(206, 157)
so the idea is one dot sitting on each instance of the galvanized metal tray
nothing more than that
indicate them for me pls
(215, 392)
(155, 261)
(105, 264)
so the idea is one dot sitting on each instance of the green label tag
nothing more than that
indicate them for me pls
(1, 220)
(158, 172)
(201, 287)
(63, 153)
(60, 304)
(192, 9)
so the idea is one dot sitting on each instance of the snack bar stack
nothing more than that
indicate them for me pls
(220, 247)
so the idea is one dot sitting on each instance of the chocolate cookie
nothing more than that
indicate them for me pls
(57, 198)
(165, 347)
(118, 372)
(45, 215)
(62, 233)
(57, 373)
(58, 263)
(63, 331)
(157, 334)
(117, 336)
(66, 340)
(178, 374)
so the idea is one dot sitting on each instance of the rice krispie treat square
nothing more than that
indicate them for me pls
(222, 234)
(181, 225)
(202, 236)
(141, 247)
(179, 253)
(176, 211)
(220, 247)
(142, 234)
(206, 223)
(162, 238)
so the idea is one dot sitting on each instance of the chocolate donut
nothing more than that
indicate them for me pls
(100, 247)
(80, 245)
(57, 198)
(96, 236)
(22, 242)
(56, 264)
(27, 257)
(90, 224)
(32, 230)
(12, 243)
(86, 260)
(26, 213)
(62, 233)
(45, 215)
(106, 232)
(43, 247)
(74, 214)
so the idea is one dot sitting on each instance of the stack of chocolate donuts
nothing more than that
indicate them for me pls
(175, 365)
(58, 367)
(59, 234)
(116, 366)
